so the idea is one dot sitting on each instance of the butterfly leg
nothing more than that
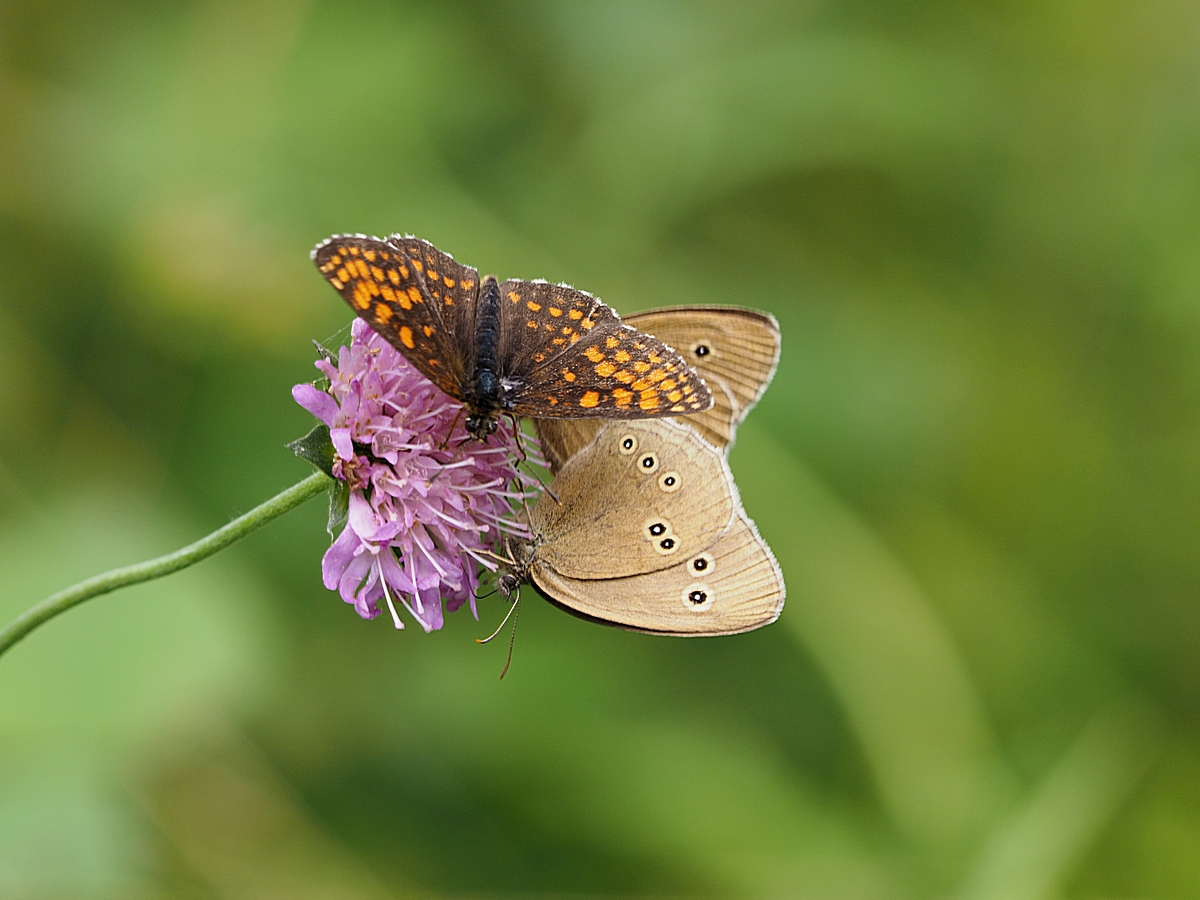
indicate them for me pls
(516, 425)
(446, 441)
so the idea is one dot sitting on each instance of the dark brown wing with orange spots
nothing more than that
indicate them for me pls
(385, 283)
(454, 289)
(569, 355)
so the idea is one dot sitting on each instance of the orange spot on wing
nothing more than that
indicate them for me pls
(353, 250)
(624, 377)
(675, 396)
(363, 270)
(362, 296)
(589, 400)
(338, 285)
(448, 281)
(612, 342)
(622, 357)
(406, 337)
(343, 275)
(574, 314)
(531, 324)
(514, 296)
(431, 275)
(623, 397)
(554, 311)
(382, 312)
(668, 385)
(588, 324)
(394, 277)
(428, 329)
(568, 375)
(594, 354)
(605, 369)
(656, 376)
(641, 366)
(370, 255)
(467, 285)
(388, 294)
(533, 307)
(418, 265)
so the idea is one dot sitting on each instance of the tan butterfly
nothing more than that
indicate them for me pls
(648, 534)
(735, 350)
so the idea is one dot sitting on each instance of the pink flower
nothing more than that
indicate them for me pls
(426, 503)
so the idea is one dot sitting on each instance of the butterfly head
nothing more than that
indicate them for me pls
(520, 559)
(481, 425)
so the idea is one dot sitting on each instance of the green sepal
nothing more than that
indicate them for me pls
(317, 448)
(339, 508)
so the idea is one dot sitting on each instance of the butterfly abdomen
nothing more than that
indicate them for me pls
(486, 400)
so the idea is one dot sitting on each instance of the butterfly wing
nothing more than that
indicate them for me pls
(735, 350)
(733, 586)
(566, 354)
(640, 497)
(415, 296)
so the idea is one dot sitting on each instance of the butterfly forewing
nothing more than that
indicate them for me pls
(572, 357)
(734, 585)
(638, 498)
(454, 289)
(734, 348)
(386, 286)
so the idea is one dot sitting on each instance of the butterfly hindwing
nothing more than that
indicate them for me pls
(734, 585)
(384, 284)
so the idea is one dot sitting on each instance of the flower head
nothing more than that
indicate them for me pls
(426, 501)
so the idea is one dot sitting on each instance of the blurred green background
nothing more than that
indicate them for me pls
(979, 225)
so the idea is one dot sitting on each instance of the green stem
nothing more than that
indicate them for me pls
(164, 565)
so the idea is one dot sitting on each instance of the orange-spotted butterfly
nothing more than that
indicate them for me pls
(526, 348)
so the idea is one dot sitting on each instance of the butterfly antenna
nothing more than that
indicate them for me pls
(512, 640)
(500, 627)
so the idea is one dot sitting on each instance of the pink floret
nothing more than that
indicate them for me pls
(427, 502)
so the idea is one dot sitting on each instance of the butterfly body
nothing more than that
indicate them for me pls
(529, 348)
(488, 396)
